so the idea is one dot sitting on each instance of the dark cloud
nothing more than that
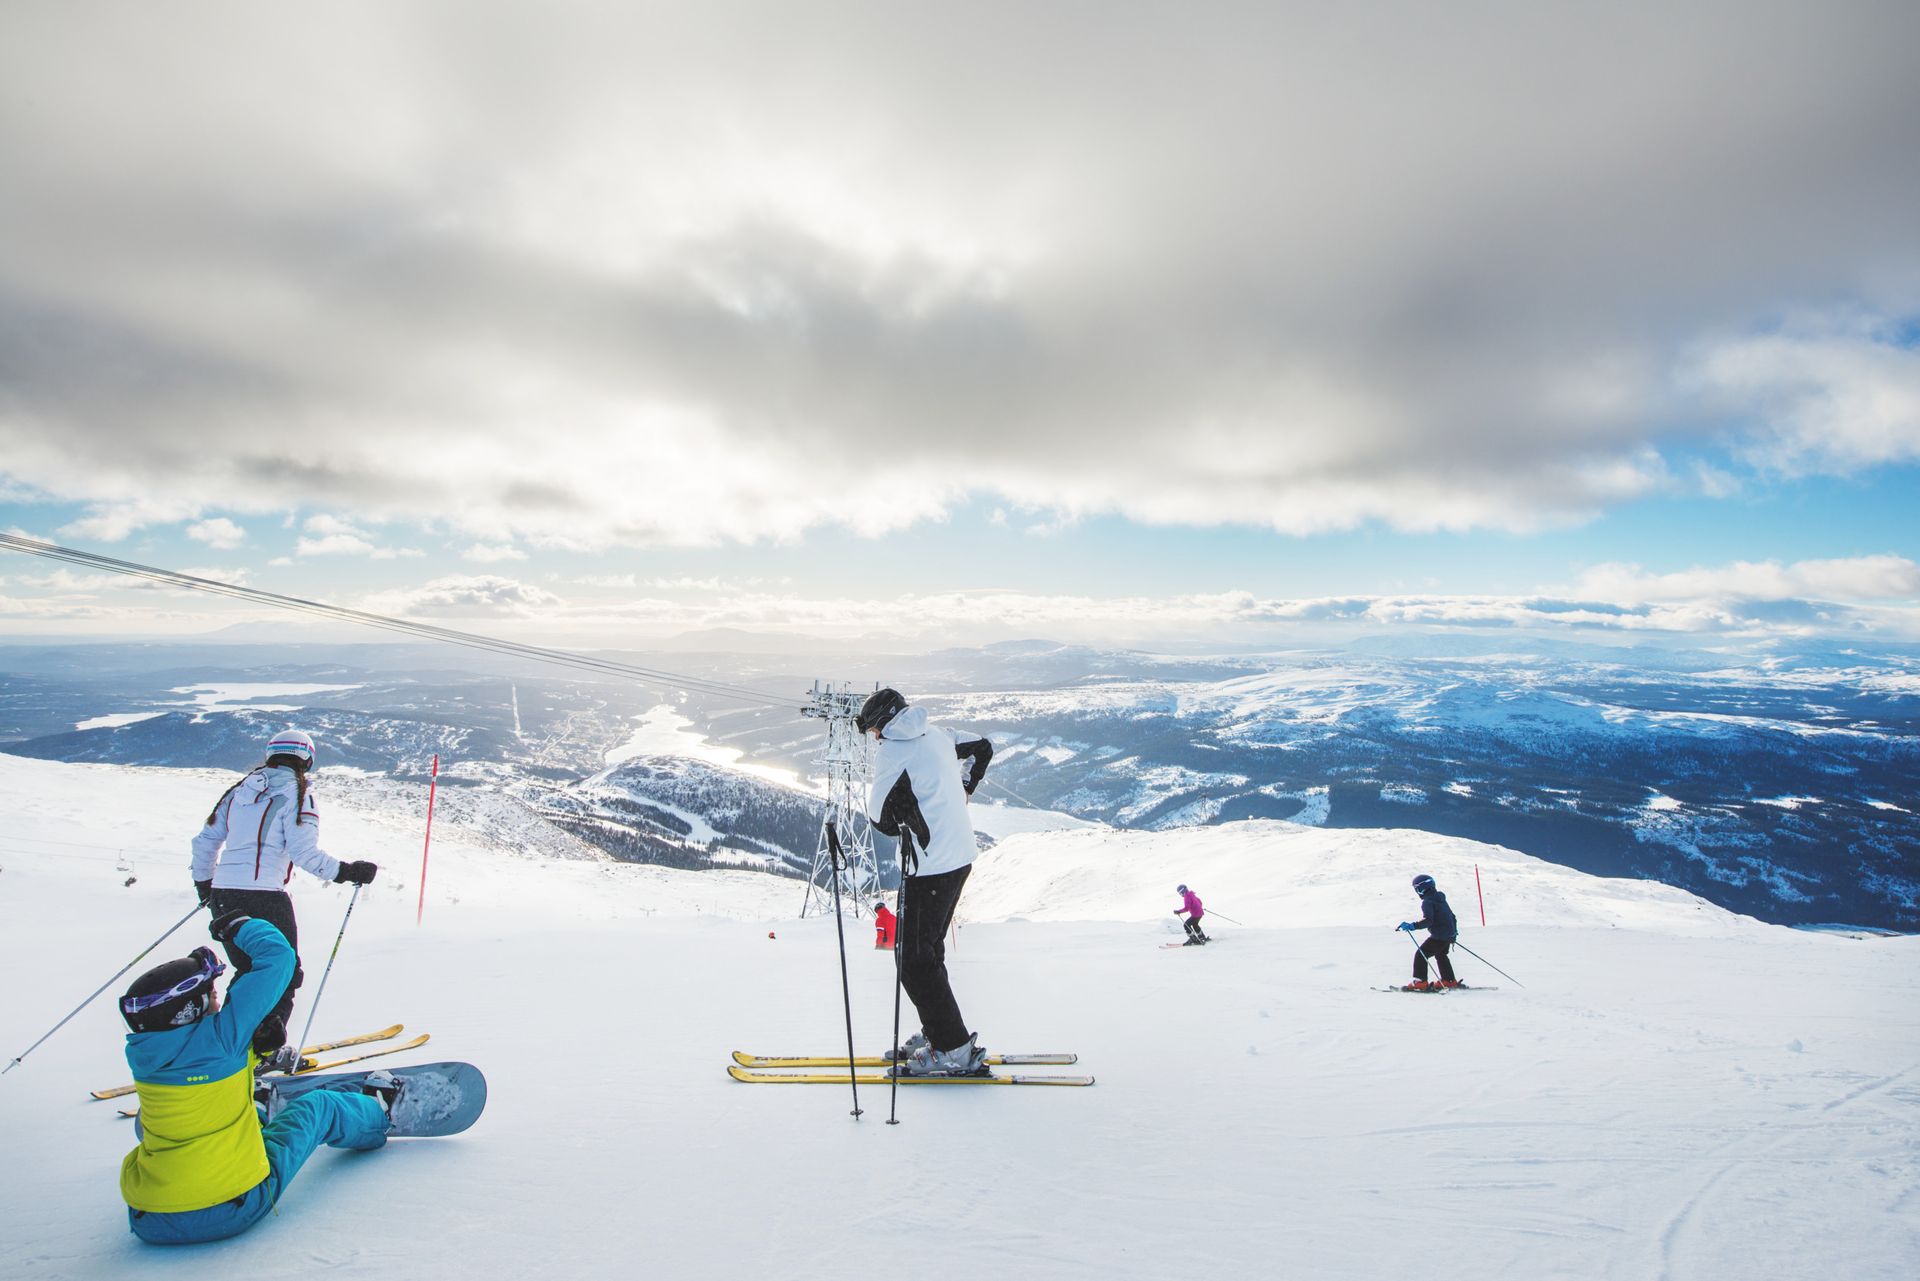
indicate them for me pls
(563, 270)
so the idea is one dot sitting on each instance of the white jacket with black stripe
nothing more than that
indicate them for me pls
(259, 831)
(926, 762)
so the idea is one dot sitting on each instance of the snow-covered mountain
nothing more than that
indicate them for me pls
(1675, 1091)
(1784, 789)
(1776, 783)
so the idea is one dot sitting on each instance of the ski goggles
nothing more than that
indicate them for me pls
(211, 968)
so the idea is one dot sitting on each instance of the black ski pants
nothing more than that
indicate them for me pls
(1193, 929)
(276, 908)
(928, 904)
(1437, 949)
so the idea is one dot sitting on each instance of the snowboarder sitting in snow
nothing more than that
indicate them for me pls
(1443, 929)
(205, 1168)
(245, 853)
(923, 777)
(1191, 909)
(883, 921)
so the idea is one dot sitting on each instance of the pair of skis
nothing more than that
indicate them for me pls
(309, 1064)
(754, 1069)
(1436, 989)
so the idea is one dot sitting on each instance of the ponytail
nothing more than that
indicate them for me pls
(299, 768)
(215, 811)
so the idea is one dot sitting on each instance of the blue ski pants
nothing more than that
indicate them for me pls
(332, 1117)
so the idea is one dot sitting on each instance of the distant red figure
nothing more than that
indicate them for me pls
(883, 921)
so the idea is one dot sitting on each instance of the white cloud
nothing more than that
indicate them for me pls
(602, 580)
(337, 537)
(335, 545)
(218, 533)
(1868, 596)
(1829, 394)
(326, 524)
(490, 553)
(466, 596)
(65, 581)
(115, 521)
(686, 584)
(219, 574)
(1855, 579)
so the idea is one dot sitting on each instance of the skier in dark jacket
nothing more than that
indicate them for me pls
(1442, 928)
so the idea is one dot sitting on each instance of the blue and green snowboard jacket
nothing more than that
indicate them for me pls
(200, 1143)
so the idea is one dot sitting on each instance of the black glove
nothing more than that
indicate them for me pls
(225, 926)
(359, 872)
(205, 890)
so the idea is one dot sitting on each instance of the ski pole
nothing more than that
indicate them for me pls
(315, 1007)
(1223, 916)
(1489, 964)
(899, 961)
(103, 987)
(846, 994)
(1418, 955)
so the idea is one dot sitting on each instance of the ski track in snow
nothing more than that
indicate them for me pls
(1675, 1092)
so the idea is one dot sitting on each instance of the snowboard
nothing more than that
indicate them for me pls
(438, 1098)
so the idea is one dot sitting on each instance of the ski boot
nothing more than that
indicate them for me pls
(384, 1088)
(1418, 985)
(966, 1059)
(1448, 983)
(286, 1059)
(912, 1046)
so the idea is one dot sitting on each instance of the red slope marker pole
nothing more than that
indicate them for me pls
(1482, 895)
(432, 786)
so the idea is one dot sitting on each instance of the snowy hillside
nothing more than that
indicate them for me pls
(1675, 1092)
(1282, 875)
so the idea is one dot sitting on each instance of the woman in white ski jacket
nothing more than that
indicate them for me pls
(243, 857)
(923, 776)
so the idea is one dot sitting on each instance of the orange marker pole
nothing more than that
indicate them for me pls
(432, 787)
(1482, 895)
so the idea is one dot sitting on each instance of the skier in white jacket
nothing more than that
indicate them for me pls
(923, 777)
(243, 857)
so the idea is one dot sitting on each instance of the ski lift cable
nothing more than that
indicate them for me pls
(424, 630)
(465, 640)
(470, 640)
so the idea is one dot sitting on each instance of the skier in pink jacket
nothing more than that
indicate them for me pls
(1191, 909)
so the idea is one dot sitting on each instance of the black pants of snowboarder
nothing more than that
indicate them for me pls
(1193, 930)
(1437, 949)
(276, 908)
(929, 906)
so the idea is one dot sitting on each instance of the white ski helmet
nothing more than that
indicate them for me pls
(292, 742)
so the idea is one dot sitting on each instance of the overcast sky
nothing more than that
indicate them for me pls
(1103, 321)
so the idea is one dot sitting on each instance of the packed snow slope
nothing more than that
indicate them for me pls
(1675, 1092)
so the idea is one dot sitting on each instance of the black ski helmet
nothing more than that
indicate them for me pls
(1422, 884)
(881, 706)
(1181, 890)
(172, 995)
